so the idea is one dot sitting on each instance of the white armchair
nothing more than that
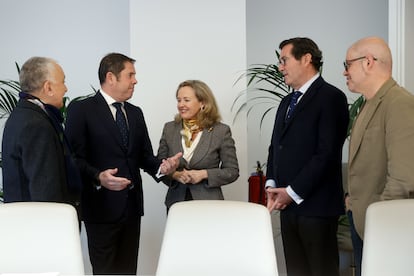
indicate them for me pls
(389, 239)
(217, 237)
(40, 237)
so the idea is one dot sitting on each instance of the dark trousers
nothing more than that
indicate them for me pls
(310, 245)
(113, 248)
(357, 245)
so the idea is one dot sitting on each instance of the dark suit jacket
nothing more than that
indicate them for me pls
(96, 141)
(306, 151)
(33, 161)
(215, 152)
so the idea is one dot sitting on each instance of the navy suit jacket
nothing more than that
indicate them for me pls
(96, 141)
(306, 150)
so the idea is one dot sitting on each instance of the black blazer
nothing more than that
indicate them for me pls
(33, 157)
(306, 150)
(96, 141)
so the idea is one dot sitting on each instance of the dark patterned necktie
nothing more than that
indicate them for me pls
(292, 104)
(121, 123)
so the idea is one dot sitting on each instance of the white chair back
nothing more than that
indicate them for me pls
(389, 238)
(217, 237)
(40, 237)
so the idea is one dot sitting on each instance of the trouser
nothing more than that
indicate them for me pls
(357, 245)
(310, 245)
(113, 248)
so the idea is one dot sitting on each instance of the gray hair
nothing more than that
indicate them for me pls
(34, 72)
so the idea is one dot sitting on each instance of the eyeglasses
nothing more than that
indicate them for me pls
(347, 63)
(282, 61)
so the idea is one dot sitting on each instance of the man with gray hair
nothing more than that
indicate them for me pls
(37, 165)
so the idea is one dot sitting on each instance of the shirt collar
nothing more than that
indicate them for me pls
(109, 100)
(307, 84)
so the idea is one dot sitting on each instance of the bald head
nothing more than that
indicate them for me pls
(368, 65)
(376, 47)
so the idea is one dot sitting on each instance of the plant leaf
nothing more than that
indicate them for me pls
(354, 109)
(265, 85)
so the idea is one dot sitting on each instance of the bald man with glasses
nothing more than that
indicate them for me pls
(381, 150)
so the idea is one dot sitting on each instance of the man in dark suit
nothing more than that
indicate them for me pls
(37, 162)
(304, 178)
(110, 155)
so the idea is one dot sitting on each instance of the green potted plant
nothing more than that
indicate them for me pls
(354, 109)
(9, 91)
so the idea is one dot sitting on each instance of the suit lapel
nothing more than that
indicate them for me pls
(281, 124)
(310, 93)
(177, 144)
(356, 137)
(202, 147)
(369, 114)
(132, 123)
(105, 117)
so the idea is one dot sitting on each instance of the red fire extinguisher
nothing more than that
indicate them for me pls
(257, 193)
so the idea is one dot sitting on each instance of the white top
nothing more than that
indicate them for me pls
(189, 151)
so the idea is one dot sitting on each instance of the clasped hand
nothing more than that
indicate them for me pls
(190, 176)
(277, 199)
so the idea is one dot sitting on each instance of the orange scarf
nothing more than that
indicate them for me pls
(190, 129)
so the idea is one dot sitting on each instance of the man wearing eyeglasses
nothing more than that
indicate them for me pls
(381, 150)
(304, 171)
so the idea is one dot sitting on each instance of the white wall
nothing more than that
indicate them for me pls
(174, 41)
(76, 33)
(409, 41)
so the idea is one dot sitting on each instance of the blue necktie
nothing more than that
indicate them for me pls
(292, 104)
(121, 123)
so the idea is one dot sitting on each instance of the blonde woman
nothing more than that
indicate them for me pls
(209, 154)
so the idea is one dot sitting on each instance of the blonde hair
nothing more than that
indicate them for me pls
(209, 114)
